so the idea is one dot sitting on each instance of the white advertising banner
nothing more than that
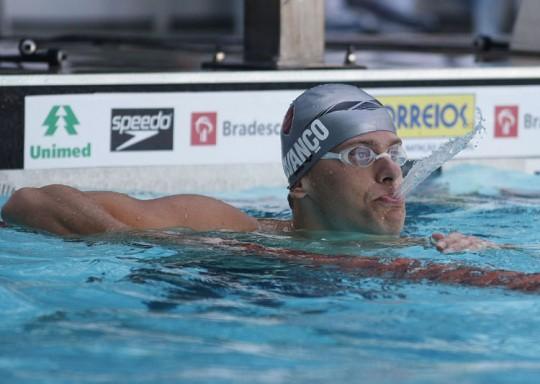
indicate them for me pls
(238, 127)
(427, 117)
(154, 128)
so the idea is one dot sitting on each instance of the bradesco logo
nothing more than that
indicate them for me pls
(60, 124)
(422, 116)
(203, 128)
(531, 121)
(148, 129)
(506, 121)
(250, 129)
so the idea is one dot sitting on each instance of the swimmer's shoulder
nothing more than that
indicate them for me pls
(275, 226)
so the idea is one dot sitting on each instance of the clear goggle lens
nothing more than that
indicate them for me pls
(363, 156)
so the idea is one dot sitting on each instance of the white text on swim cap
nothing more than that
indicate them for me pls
(304, 147)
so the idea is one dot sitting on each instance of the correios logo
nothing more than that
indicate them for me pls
(60, 118)
(203, 128)
(506, 121)
(431, 115)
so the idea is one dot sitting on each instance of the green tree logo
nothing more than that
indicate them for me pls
(61, 116)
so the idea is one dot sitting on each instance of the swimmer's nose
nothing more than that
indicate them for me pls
(387, 171)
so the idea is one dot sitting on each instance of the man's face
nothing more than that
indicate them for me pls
(350, 198)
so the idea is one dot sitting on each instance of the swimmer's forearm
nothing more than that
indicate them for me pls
(58, 209)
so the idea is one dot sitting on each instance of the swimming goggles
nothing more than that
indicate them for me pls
(362, 156)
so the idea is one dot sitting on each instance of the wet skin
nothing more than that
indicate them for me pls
(332, 196)
(337, 196)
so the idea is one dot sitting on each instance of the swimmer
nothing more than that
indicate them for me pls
(340, 153)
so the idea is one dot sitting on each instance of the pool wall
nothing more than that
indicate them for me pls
(219, 131)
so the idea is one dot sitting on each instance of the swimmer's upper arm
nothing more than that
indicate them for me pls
(58, 209)
(196, 212)
(64, 210)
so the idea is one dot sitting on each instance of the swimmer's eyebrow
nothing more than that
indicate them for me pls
(373, 143)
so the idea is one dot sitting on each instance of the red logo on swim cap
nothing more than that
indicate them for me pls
(506, 121)
(287, 121)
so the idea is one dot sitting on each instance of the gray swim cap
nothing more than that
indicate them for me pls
(323, 117)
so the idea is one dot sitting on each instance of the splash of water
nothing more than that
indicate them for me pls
(426, 166)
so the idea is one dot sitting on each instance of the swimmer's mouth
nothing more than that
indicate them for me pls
(390, 199)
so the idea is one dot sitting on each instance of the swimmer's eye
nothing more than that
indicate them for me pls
(397, 154)
(361, 156)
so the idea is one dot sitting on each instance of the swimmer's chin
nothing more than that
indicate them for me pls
(350, 234)
(390, 227)
(384, 230)
(391, 223)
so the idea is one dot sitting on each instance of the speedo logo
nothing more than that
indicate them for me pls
(308, 144)
(149, 129)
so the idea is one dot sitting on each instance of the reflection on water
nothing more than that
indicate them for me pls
(179, 306)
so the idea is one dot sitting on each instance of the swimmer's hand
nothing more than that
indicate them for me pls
(458, 242)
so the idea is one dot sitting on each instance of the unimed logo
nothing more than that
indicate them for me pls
(203, 128)
(506, 121)
(148, 129)
(60, 120)
(60, 117)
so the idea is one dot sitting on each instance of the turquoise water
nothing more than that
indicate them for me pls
(191, 308)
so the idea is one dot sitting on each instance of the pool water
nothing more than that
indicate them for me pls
(193, 308)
